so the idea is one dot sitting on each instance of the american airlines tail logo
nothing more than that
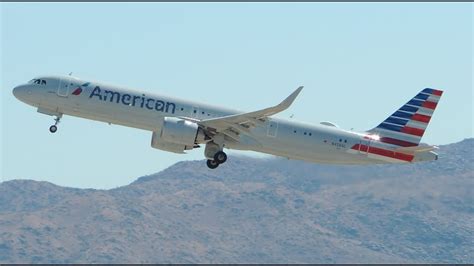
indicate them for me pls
(78, 90)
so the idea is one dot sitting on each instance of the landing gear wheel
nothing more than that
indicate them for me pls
(53, 128)
(220, 157)
(212, 164)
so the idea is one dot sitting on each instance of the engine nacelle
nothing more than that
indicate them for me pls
(158, 143)
(177, 135)
(179, 131)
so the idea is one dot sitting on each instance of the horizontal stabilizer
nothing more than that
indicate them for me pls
(414, 149)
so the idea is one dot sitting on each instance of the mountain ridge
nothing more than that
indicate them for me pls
(251, 210)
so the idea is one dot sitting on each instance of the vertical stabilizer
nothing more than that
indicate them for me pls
(407, 125)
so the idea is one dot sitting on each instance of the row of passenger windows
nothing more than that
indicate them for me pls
(195, 112)
(38, 81)
(310, 134)
(202, 112)
(304, 133)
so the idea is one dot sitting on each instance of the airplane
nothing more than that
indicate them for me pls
(179, 125)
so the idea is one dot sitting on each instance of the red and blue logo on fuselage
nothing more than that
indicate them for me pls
(79, 89)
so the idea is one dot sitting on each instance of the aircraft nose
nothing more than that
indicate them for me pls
(21, 92)
(17, 91)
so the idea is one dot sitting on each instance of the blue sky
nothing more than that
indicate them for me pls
(358, 62)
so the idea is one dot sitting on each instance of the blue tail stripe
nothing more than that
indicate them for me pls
(409, 108)
(428, 90)
(402, 114)
(390, 127)
(397, 121)
(415, 102)
(421, 96)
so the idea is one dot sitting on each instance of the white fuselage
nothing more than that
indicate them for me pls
(144, 110)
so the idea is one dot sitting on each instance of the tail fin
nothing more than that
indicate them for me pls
(407, 125)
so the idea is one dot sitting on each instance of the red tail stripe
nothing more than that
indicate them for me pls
(429, 105)
(413, 131)
(398, 142)
(383, 152)
(421, 118)
(437, 92)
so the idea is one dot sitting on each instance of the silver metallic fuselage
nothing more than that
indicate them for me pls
(287, 138)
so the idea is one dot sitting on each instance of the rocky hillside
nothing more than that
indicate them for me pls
(251, 210)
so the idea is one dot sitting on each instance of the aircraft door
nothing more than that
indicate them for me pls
(272, 128)
(364, 146)
(63, 89)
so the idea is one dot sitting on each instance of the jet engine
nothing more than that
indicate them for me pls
(177, 135)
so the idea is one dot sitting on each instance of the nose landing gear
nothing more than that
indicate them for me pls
(54, 127)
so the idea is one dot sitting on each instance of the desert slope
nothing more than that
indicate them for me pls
(251, 210)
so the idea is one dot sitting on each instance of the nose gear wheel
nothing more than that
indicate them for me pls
(54, 127)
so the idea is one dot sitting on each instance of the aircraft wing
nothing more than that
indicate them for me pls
(232, 125)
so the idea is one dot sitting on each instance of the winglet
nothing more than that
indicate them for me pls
(290, 99)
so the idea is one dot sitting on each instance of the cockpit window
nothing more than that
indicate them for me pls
(38, 81)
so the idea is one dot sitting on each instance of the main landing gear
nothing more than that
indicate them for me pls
(219, 158)
(215, 155)
(54, 127)
(212, 164)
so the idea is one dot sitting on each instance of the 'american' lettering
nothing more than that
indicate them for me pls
(133, 100)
